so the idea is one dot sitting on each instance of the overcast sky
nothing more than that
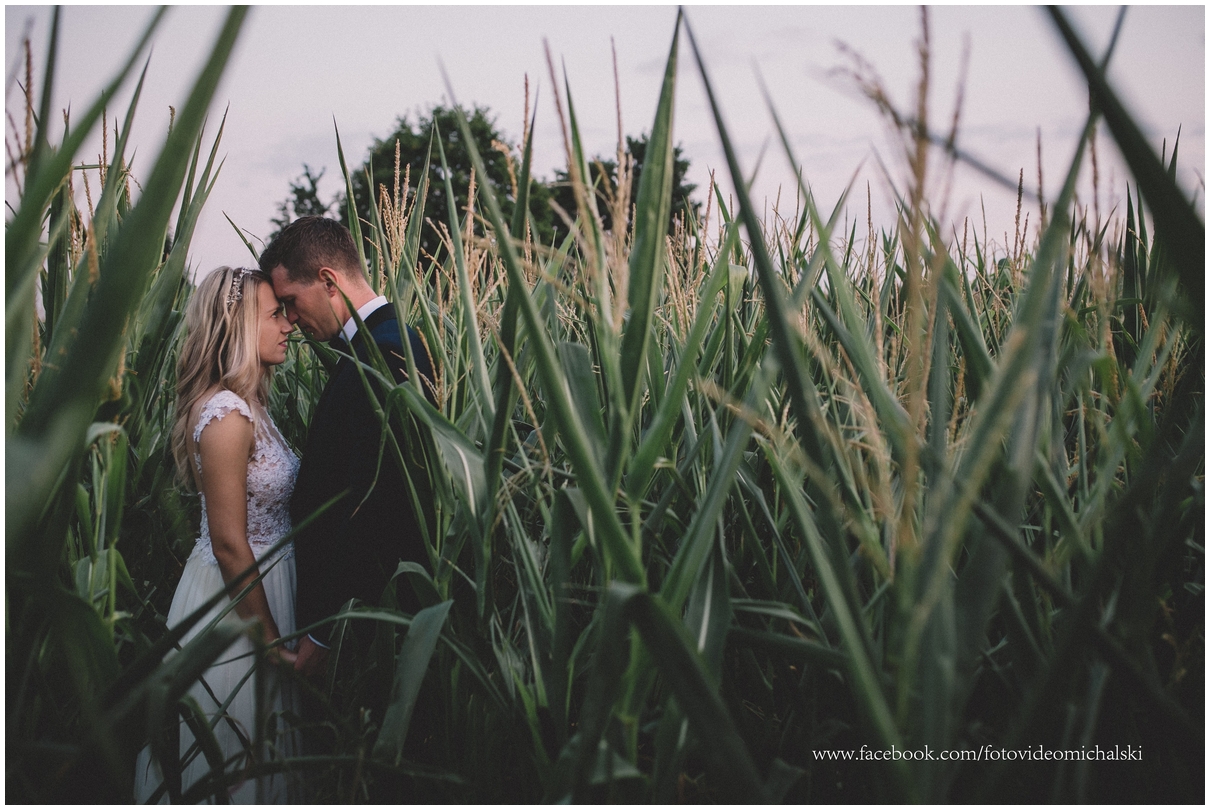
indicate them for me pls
(297, 69)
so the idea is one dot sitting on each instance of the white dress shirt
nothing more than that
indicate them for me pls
(363, 312)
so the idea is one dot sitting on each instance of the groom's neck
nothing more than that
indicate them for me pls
(359, 295)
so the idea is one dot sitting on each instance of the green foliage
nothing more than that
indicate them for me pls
(304, 201)
(695, 508)
(377, 175)
(499, 163)
(603, 173)
(92, 509)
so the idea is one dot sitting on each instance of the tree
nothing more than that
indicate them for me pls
(303, 201)
(682, 202)
(414, 145)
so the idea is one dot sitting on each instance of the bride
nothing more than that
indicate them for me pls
(226, 445)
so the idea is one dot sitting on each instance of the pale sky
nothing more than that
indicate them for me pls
(298, 68)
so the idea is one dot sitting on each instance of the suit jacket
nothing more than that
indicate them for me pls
(354, 547)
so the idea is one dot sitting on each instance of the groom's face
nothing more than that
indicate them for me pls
(315, 306)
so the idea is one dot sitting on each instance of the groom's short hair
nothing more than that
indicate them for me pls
(309, 243)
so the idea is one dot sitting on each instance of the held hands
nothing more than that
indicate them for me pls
(281, 655)
(310, 658)
(277, 653)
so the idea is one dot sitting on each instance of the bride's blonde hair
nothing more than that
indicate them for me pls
(220, 349)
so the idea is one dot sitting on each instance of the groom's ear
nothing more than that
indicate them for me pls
(328, 276)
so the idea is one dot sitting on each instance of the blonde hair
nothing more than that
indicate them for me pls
(220, 350)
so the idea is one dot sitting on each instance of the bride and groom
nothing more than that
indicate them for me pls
(253, 487)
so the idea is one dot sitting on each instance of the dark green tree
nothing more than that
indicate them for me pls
(682, 201)
(414, 145)
(414, 150)
(303, 201)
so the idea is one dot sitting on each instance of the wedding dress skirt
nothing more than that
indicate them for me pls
(271, 475)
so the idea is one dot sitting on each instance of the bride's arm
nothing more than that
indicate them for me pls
(225, 445)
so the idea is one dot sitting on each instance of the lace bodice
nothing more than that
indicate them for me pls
(271, 473)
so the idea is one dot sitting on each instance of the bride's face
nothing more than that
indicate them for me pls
(274, 327)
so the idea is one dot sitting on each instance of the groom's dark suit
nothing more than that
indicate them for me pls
(354, 547)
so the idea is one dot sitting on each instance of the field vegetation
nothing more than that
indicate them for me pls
(699, 501)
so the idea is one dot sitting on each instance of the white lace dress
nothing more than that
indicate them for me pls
(271, 473)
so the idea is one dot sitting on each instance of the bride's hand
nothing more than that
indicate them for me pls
(277, 653)
(280, 655)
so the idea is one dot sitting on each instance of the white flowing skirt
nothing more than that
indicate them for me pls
(200, 580)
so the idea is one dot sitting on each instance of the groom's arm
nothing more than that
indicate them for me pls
(310, 657)
(381, 522)
(342, 552)
(321, 568)
(353, 548)
(325, 573)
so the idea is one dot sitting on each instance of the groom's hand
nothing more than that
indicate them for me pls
(311, 657)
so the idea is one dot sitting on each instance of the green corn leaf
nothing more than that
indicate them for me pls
(604, 686)
(203, 733)
(505, 392)
(895, 420)
(1009, 412)
(470, 321)
(113, 193)
(49, 168)
(582, 383)
(652, 207)
(161, 691)
(940, 397)
(571, 429)
(694, 550)
(782, 777)
(45, 180)
(563, 529)
(708, 613)
(151, 327)
(354, 222)
(75, 386)
(610, 767)
(413, 662)
(603, 333)
(56, 279)
(792, 647)
(403, 280)
(786, 341)
(521, 211)
(586, 202)
(421, 581)
(654, 442)
(678, 663)
(1176, 221)
(867, 688)
(462, 458)
(1073, 540)
(974, 349)
(538, 616)
(243, 235)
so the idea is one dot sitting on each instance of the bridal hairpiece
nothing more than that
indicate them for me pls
(236, 292)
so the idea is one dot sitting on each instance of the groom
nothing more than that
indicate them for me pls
(354, 547)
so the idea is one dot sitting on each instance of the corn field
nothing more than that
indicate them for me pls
(699, 502)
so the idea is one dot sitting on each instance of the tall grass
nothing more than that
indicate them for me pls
(700, 504)
(93, 308)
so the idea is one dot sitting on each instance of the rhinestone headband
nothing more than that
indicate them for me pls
(236, 293)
